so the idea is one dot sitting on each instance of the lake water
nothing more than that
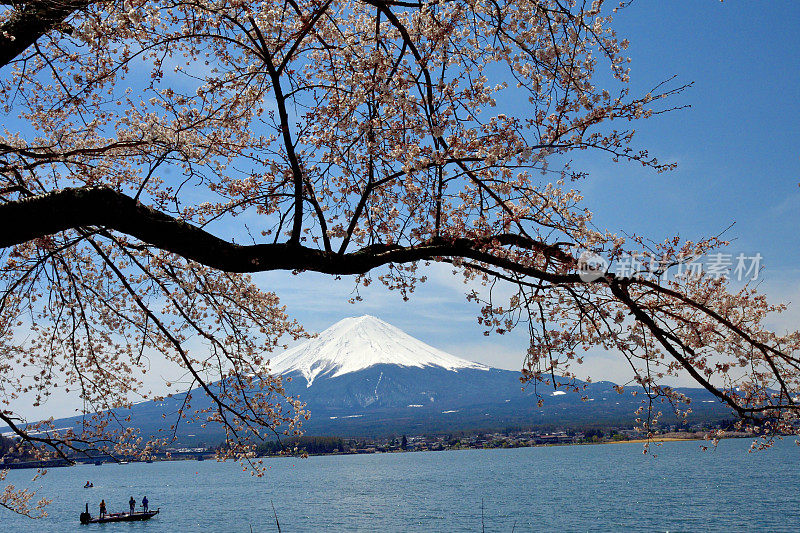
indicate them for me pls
(569, 488)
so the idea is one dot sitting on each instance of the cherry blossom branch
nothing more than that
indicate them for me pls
(101, 206)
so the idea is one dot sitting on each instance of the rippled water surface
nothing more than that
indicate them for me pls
(570, 488)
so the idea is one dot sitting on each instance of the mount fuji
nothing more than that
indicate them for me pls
(355, 344)
(363, 377)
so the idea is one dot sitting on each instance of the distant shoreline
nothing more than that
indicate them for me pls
(545, 445)
(664, 439)
(209, 454)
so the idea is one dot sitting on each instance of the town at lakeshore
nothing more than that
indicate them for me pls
(11, 457)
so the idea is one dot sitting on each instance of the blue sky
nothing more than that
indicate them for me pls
(737, 163)
(736, 147)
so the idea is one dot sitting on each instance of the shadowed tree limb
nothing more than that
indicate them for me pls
(70, 208)
(31, 21)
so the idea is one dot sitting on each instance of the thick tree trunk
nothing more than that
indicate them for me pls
(32, 21)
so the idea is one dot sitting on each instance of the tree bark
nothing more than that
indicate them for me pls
(30, 22)
(39, 216)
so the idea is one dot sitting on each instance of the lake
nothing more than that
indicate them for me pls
(608, 487)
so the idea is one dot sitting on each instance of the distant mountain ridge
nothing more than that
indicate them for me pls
(363, 377)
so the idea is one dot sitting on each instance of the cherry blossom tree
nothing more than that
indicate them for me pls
(347, 137)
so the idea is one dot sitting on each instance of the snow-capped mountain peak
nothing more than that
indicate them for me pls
(356, 343)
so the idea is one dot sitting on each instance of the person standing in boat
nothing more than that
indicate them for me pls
(102, 508)
(144, 503)
(132, 503)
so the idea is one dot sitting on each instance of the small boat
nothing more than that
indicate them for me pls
(98, 463)
(86, 518)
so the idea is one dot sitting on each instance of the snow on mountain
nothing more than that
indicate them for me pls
(356, 343)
